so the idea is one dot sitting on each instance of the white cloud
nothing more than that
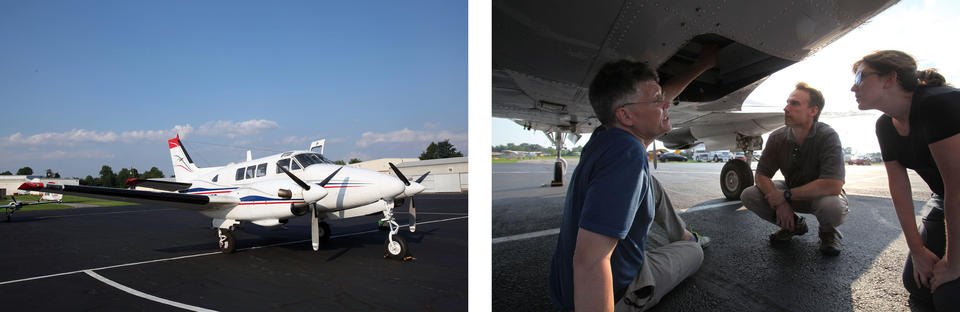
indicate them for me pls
(408, 136)
(231, 129)
(79, 136)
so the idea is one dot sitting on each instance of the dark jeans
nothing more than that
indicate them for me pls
(933, 234)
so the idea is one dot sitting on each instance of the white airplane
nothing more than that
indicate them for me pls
(15, 205)
(268, 192)
(544, 60)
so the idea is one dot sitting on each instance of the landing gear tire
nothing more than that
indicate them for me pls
(735, 177)
(324, 232)
(396, 249)
(227, 242)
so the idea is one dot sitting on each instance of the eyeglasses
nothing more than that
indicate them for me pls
(660, 99)
(858, 79)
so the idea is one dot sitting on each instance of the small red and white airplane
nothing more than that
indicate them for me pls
(268, 192)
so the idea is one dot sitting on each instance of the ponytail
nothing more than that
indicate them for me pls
(930, 78)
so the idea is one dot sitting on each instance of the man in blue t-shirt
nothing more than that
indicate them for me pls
(600, 261)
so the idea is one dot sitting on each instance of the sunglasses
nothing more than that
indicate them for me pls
(858, 79)
(660, 99)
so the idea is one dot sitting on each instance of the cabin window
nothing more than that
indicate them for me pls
(294, 165)
(250, 171)
(283, 163)
(215, 178)
(240, 173)
(261, 170)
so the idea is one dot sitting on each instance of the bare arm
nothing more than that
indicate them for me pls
(902, 197)
(708, 59)
(816, 189)
(944, 153)
(769, 190)
(592, 275)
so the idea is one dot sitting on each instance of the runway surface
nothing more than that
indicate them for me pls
(741, 271)
(135, 258)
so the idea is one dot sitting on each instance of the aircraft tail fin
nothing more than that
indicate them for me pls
(183, 166)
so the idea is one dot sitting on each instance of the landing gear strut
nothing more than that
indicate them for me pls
(227, 242)
(395, 245)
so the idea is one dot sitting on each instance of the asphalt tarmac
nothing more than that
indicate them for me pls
(741, 270)
(151, 258)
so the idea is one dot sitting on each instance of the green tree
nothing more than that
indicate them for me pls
(107, 177)
(152, 173)
(49, 173)
(56, 175)
(442, 149)
(848, 150)
(6, 173)
(355, 160)
(134, 173)
(339, 162)
(25, 171)
(122, 177)
(87, 181)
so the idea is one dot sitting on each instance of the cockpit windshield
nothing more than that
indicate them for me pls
(307, 159)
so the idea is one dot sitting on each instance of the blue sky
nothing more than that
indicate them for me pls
(91, 83)
(917, 27)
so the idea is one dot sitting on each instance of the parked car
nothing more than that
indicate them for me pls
(672, 157)
(863, 161)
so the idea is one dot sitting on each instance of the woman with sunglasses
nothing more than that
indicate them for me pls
(920, 130)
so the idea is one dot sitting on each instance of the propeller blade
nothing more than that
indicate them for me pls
(324, 182)
(413, 216)
(424, 176)
(314, 228)
(399, 174)
(302, 184)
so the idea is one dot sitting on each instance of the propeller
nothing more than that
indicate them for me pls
(410, 190)
(311, 195)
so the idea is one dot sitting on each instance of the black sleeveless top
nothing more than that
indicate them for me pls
(934, 116)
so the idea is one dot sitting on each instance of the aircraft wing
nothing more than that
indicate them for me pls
(544, 59)
(169, 186)
(177, 200)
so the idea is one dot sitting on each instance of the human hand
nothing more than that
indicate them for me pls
(785, 216)
(942, 274)
(923, 263)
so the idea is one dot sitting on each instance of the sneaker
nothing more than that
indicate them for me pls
(700, 239)
(830, 243)
(784, 235)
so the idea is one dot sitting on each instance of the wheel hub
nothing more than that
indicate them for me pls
(393, 248)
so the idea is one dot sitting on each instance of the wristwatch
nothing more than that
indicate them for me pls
(786, 194)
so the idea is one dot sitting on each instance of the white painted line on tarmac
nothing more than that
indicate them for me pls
(504, 239)
(523, 172)
(736, 203)
(206, 254)
(144, 295)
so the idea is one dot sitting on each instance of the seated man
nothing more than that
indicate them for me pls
(600, 260)
(809, 155)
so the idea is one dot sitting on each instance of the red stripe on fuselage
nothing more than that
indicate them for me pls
(273, 203)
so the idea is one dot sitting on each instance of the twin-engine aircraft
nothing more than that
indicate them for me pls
(268, 192)
(15, 205)
(544, 60)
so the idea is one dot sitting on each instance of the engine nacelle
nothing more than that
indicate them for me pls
(298, 210)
